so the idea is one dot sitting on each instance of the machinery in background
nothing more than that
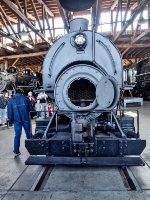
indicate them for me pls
(26, 80)
(142, 86)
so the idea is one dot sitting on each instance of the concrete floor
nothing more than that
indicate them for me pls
(68, 183)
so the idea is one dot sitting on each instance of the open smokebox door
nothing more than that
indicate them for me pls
(77, 5)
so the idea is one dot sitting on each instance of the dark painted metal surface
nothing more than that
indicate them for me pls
(77, 5)
(89, 161)
(102, 147)
(83, 70)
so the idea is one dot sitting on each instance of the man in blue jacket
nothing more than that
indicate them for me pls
(19, 108)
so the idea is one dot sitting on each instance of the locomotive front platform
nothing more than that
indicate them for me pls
(18, 181)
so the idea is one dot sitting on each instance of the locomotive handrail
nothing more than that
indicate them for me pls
(49, 123)
(119, 127)
(121, 113)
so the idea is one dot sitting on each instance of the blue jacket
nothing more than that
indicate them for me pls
(19, 108)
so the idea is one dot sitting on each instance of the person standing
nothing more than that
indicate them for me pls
(44, 106)
(32, 100)
(38, 108)
(7, 98)
(19, 108)
(3, 108)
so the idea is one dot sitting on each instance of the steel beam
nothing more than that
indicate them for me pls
(126, 11)
(96, 11)
(61, 10)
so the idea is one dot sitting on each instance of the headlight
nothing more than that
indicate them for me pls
(80, 39)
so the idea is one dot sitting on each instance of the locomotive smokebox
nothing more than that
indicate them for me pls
(78, 24)
(77, 5)
(90, 76)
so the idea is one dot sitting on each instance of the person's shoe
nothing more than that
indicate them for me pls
(16, 155)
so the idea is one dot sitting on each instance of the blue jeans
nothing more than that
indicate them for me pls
(3, 115)
(18, 130)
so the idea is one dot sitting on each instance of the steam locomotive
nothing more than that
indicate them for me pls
(142, 86)
(26, 79)
(82, 73)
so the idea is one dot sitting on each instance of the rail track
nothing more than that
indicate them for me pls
(123, 178)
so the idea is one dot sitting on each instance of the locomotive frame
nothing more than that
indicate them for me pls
(57, 146)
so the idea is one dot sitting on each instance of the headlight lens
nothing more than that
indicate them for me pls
(80, 39)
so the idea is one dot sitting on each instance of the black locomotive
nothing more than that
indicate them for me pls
(26, 80)
(142, 86)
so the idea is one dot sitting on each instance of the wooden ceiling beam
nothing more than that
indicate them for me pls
(4, 23)
(133, 45)
(23, 55)
(141, 35)
(8, 22)
(36, 15)
(141, 52)
(134, 6)
(25, 7)
(49, 28)
(136, 40)
(114, 5)
(24, 19)
(7, 47)
(135, 13)
(25, 13)
(138, 56)
(15, 61)
(46, 8)
(29, 16)
(4, 34)
(15, 21)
